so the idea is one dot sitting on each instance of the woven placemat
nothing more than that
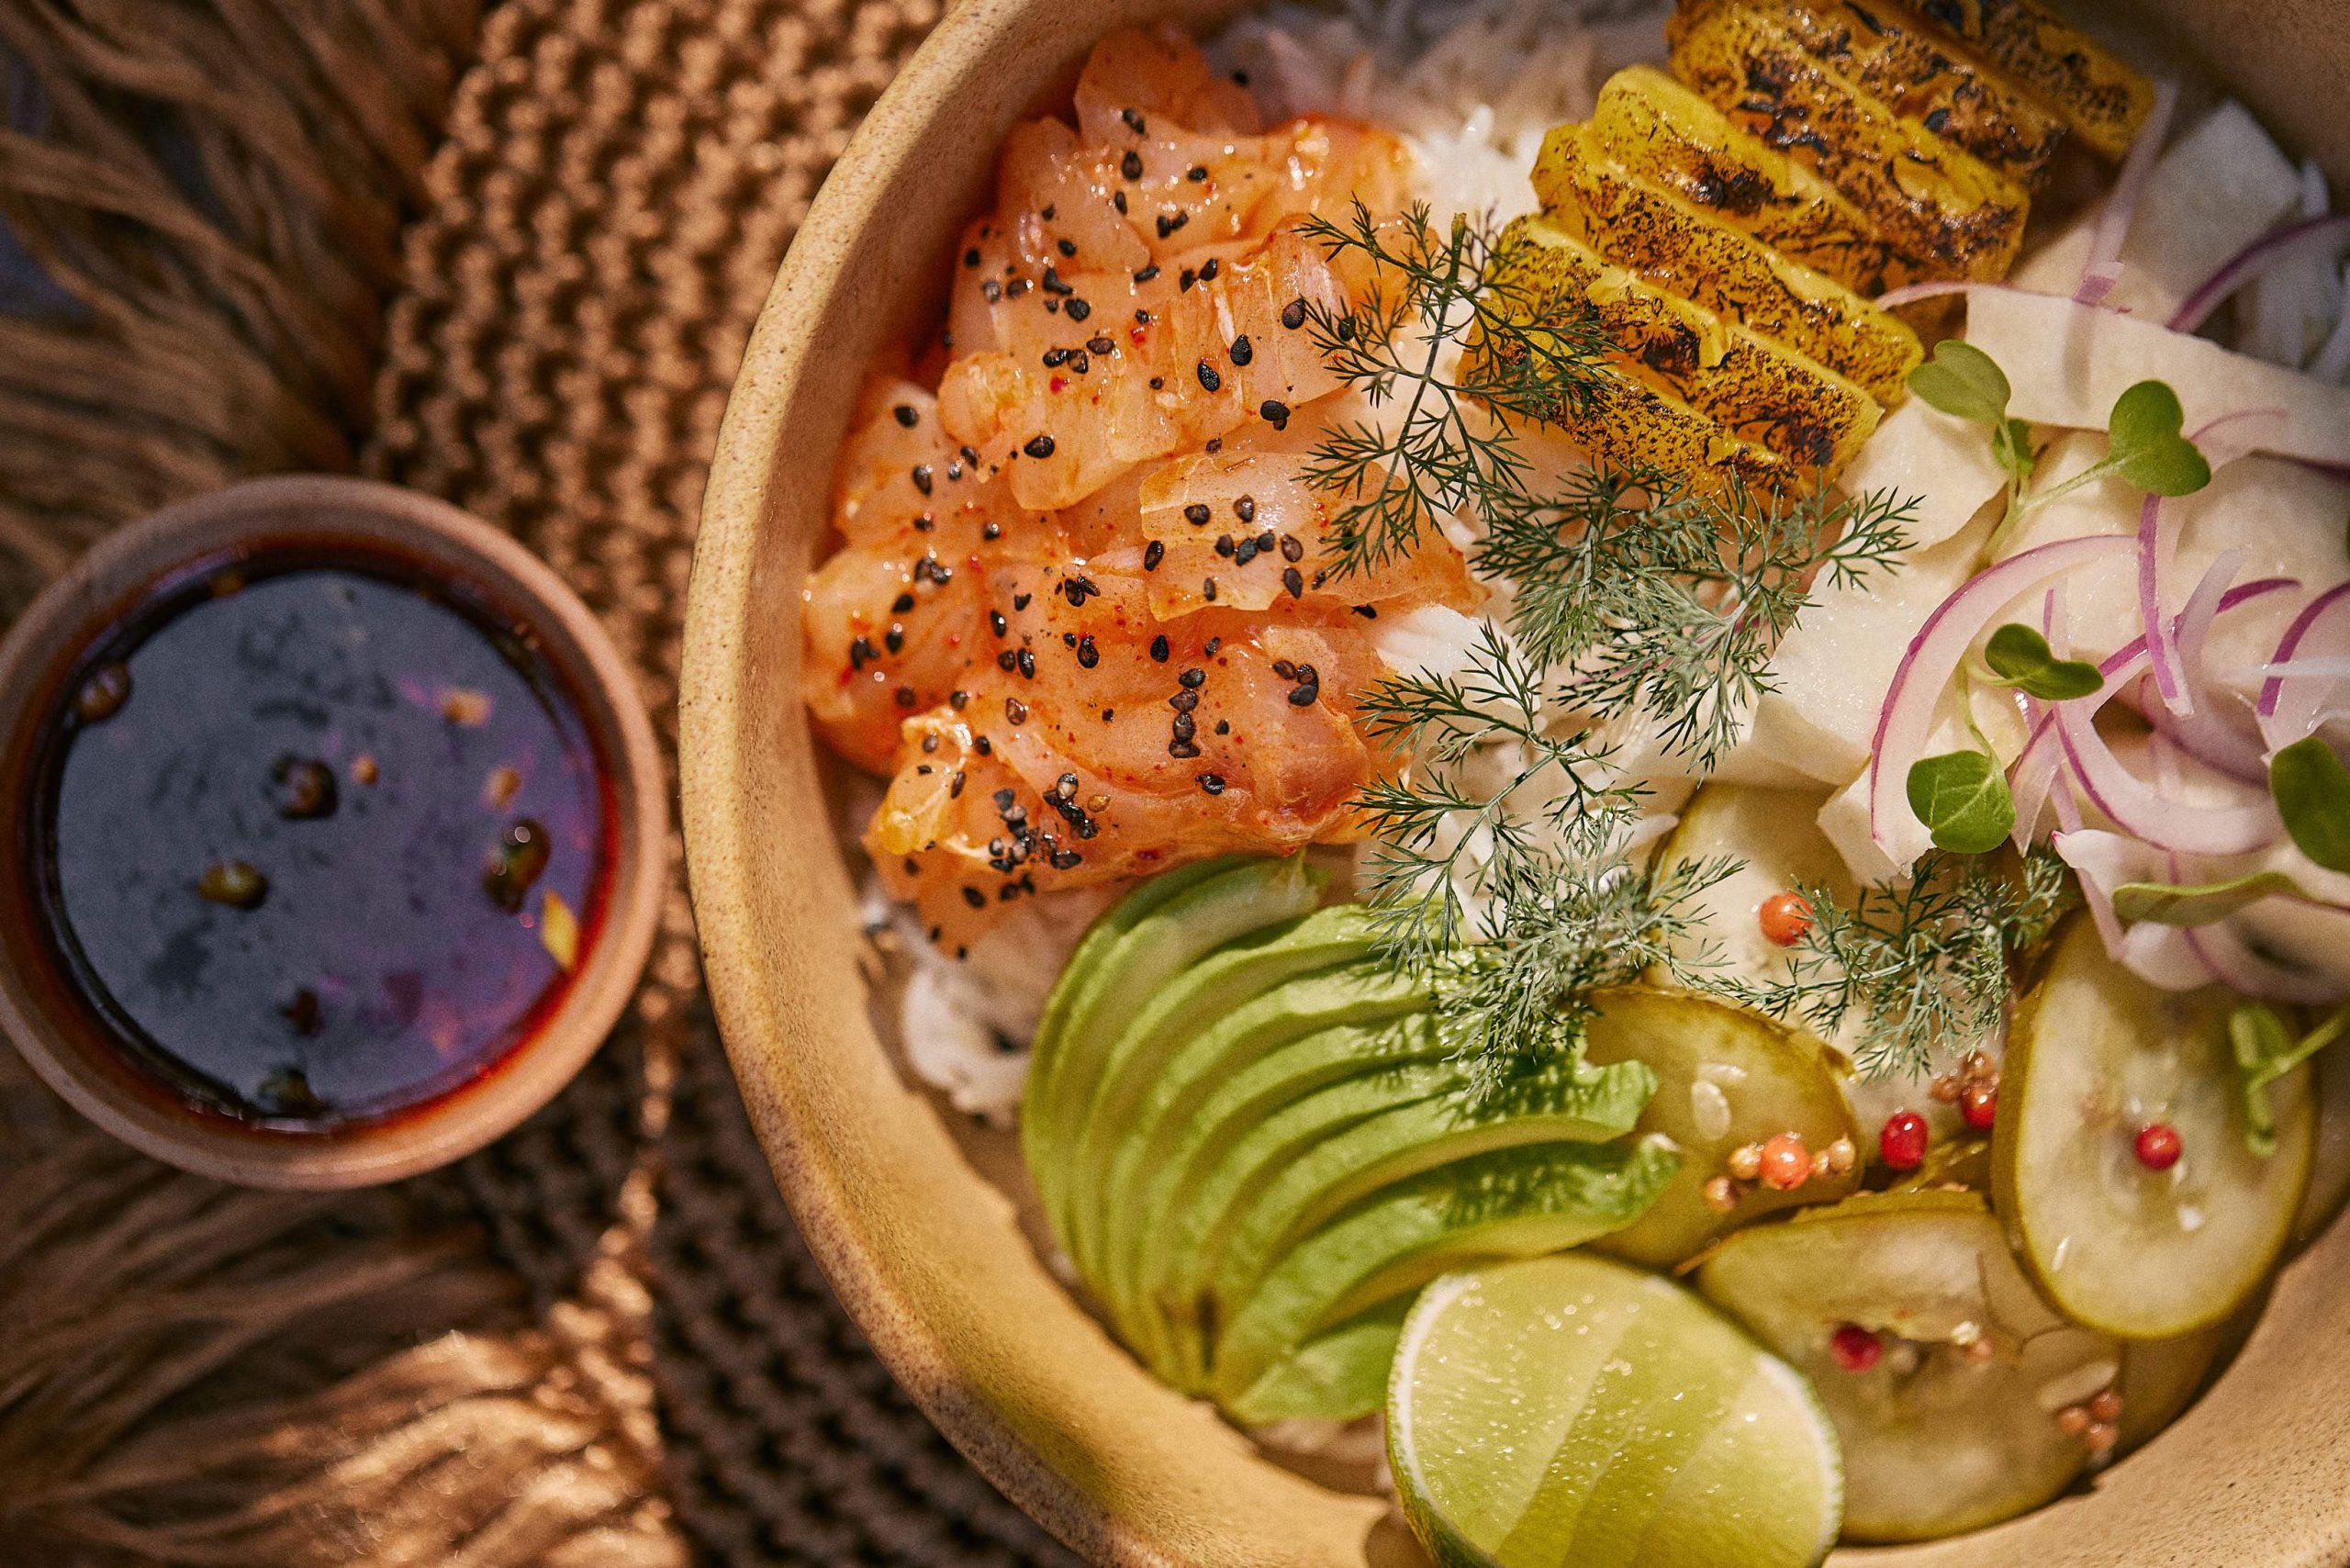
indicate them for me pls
(619, 183)
(562, 292)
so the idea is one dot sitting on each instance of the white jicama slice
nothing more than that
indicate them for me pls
(2065, 363)
(2216, 189)
(1942, 462)
(1831, 670)
(2141, 1247)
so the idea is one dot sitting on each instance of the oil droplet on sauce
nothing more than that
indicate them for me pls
(269, 859)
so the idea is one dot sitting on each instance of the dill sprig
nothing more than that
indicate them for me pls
(1560, 926)
(1925, 968)
(1665, 599)
(1447, 446)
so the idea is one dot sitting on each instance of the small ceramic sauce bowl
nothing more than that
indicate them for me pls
(340, 834)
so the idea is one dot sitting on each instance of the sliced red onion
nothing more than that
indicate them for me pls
(2339, 664)
(2270, 250)
(1910, 292)
(2241, 968)
(2291, 707)
(2103, 269)
(1906, 720)
(2161, 648)
(2160, 818)
(2105, 861)
(2216, 728)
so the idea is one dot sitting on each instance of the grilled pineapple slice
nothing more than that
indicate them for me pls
(1648, 229)
(1761, 392)
(1621, 417)
(1665, 133)
(1947, 207)
(2103, 100)
(1922, 75)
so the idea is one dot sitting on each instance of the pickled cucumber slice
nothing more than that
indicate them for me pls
(2097, 1055)
(1572, 1410)
(1641, 225)
(1724, 1078)
(1762, 392)
(1955, 1425)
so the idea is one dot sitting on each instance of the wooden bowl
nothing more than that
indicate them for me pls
(60, 1035)
(928, 1256)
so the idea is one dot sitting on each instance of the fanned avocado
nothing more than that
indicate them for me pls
(1512, 1203)
(1109, 978)
(1279, 1048)
(1136, 1055)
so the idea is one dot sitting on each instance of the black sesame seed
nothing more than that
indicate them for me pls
(1065, 859)
(1197, 513)
(955, 786)
(1015, 710)
(972, 257)
(1078, 309)
(1142, 317)
(1102, 345)
(1047, 214)
(1020, 600)
(906, 415)
(1212, 782)
(1052, 306)
(859, 651)
(1159, 648)
(1118, 200)
(1027, 664)
(1152, 554)
(1209, 381)
(1346, 328)
(1368, 613)
(1054, 358)
(1224, 726)
(894, 639)
(1245, 509)
(1066, 247)
(974, 898)
(1294, 580)
(983, 745)
(930, 742)
(1185, 279)
(1194, 678)
(1182, 749)
(1039, 446)
(1223, 545)
(996, 623)
(1075, 590)
(1196, 172)
(906, 698)
(1133, 122)
(991, 532)
(1158, 382)
(1007, 660)
(1275, 412)
(1293, 314)
(1214, 643)
(901, 604)
(1131, 167)
(1244, 553)
(958, 699)
(1088, 656)
(1079, 362)
(923, 524)
(1207, 590)
(991, 291)
(1147, 273)
(1184, 700)
(1209, 268)
(1186, 727)
(1004, 798)
(922, 478)
(1241, 352)
(1293, 547)
(1303, 696)
(1052, 283)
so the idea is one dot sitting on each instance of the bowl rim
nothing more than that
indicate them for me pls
(36, 1013)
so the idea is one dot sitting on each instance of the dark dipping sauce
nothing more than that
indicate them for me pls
(320, 839)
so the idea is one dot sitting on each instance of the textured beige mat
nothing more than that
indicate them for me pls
(510, 258)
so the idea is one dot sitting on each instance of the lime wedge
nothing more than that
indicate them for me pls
(1571, 1410)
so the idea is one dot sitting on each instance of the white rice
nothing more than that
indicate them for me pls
(1471, 85)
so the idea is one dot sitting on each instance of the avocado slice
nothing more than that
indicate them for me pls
(1225, 1081)
(1184, 1008)
(1109, 978)
(1343, 1369)
(1181, 1243)
(1560, 1102)
(1510, 1203)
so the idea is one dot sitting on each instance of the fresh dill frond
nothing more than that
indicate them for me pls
(1666, 599)
(1489, 788)
(1563, 925)
(1924, 968)
(1446, 447)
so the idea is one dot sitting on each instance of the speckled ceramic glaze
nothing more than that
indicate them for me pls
(927, 1254)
